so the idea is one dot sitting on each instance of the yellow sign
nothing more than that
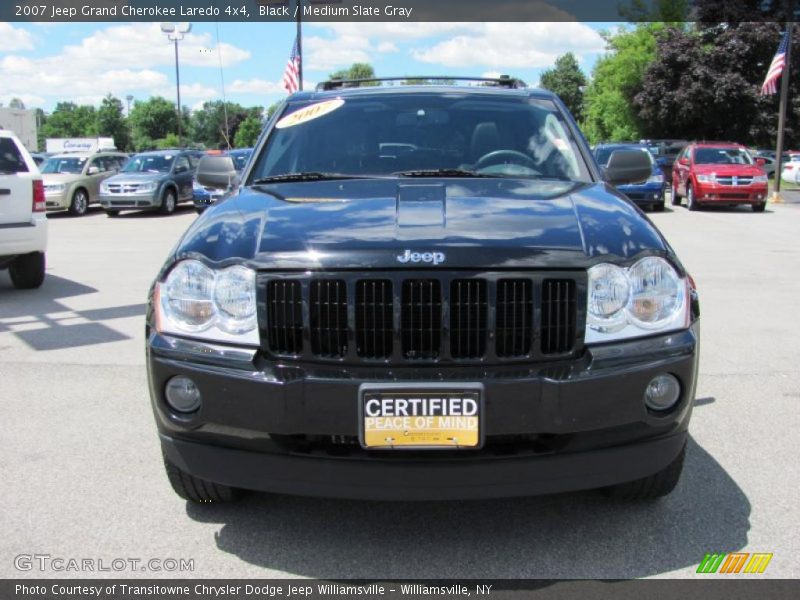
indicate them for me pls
(309, 113)
(426, 420)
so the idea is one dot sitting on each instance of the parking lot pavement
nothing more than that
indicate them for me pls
(83, 479)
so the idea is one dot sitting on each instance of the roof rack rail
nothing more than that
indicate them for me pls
(502, 81)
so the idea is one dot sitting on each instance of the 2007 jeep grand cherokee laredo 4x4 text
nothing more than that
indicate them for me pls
(422, 292)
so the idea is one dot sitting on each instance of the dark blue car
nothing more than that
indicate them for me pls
(647, 194)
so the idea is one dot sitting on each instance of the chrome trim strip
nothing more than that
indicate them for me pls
(180, 348)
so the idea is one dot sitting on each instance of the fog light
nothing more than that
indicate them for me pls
(183, 395)
(662, 392)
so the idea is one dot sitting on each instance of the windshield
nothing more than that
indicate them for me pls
(149, 163)
(240, 158)
(61, 164)
(722, 156)
(377, 135)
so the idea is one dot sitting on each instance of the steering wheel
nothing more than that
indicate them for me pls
(501, 156)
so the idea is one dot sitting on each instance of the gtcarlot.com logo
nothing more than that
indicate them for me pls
(48, 562)
(735, 563)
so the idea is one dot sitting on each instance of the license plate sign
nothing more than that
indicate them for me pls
(424, 417)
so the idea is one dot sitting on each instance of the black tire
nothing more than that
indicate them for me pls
(658, 207)
(111, 212)
(168, 202)
(79, 203)
(655, 486)
(27, 271)
(760, 207)
(691, 201)
(675, 199)
(198, 490)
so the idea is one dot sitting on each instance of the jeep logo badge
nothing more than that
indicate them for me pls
(431, 258)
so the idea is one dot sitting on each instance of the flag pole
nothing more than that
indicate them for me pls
(776, 197)
(300, 44)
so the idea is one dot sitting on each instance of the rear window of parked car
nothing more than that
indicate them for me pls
(11, 160)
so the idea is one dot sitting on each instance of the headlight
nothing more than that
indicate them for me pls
(104, 188)
(200, 302)
(609, 290)
(54, 187)
(647, 297)
(197, 187)
(655, 179)
(706, 178)
(760, 179)
(235, 297)
(148, 187)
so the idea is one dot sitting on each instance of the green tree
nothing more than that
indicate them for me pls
(248, 132)
(356, 71)
(111, 122)
(272, 108)
(567, 81)
(609, 113)
(70, 120)
(152, 120)
(169, 141)
(207, 124)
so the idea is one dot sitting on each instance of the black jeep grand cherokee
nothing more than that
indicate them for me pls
(423, 292)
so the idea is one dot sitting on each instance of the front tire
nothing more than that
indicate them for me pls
(759, 207)
(198, 490)
(691, 201)
(27, 271)
(168, 203)
(112, 212)
(654, 486)
(80, 203)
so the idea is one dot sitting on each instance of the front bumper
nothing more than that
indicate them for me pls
(56, 201)
(644, 195)
(731, 194)
(119, 201)
(574, 425)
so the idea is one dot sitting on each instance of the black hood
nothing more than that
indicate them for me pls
(474, 223)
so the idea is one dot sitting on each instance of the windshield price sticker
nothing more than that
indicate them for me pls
(309, 113)
(433, 419)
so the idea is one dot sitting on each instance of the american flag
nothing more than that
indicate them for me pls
(770, 85)
(291, 76)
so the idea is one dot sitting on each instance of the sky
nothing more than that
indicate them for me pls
(43, 64)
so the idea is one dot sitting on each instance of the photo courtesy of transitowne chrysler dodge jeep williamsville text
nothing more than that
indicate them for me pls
(422, 292)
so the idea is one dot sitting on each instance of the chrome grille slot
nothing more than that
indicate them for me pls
(468, 306)
(374, 318)
(514, 326)
(421, 318)
(328, 317)
(285, 314)
(558, 316)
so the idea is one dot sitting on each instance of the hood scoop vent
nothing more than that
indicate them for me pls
(421, 211)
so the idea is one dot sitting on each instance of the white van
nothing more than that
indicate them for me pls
(23, 225)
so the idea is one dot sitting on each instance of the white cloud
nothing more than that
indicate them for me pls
(517, 45)
(255, 86)
(119, 59)
(15, 39)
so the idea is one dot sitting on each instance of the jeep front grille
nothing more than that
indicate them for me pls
(514, 329)
(421, 318)
(446, 317)
(374, 318)
(285, 317)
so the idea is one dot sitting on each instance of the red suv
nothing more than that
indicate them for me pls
(721, 174)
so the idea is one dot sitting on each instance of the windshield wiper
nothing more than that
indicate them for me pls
(308, 176)
(443, 173)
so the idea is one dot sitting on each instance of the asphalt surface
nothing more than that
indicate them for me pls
(81, 467)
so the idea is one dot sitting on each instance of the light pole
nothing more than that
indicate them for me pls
(129, 98)
(176, 32)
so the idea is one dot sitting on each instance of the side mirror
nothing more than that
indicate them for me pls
(760, 162)
(216, 172)
(93, 170)
(628, 166)
(684, 161)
